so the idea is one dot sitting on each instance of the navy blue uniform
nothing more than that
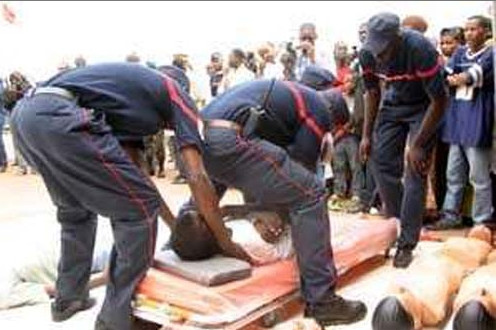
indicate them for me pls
(74, 143)
(266, 165)
(411, 79)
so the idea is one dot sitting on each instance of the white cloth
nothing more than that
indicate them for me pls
(24, 276)
(262, 252)
(323, 59)
(235, 77)
(273, 71)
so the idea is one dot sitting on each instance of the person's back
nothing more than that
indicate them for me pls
(286, 119)
(72, 129)
(132, 96)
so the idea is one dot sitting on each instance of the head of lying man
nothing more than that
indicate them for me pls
(191, 239)
(474, 316)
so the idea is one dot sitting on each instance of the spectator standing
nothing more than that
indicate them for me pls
(237, 71)
(215, 73)
(309, 53)
(469, 124)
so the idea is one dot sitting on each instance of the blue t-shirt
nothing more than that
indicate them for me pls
(295, 117)
(137, 101)
(411, 77)
(470, 114)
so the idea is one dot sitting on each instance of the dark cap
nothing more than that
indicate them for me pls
(177, 74)
(317, 78)
(391, 315)
(381, 30)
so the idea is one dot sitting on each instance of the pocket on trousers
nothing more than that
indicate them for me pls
(220, 141)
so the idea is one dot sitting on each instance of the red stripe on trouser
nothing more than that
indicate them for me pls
(273, 163)
(130, 192)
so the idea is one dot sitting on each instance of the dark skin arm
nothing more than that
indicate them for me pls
(372, 100)
(208, 203)
(416, 155)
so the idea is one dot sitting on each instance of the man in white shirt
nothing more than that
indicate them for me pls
(237, 73)
(309, 53)
(271, 69)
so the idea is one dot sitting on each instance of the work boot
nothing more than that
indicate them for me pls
(402, 258)
(447, 221)
(336, 203)
(335, 310)
(65, 310)
(353, 205)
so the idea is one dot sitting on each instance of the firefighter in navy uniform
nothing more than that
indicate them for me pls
(71, 129)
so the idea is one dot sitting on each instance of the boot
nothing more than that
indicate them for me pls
(335, 310)
(65, 310)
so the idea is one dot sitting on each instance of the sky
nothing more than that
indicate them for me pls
(49, 32)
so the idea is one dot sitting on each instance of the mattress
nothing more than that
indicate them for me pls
(165, 298)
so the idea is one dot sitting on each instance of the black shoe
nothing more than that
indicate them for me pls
(100, 325)
(447, 221)
(64, 311)
(402, 258)
(334, 310)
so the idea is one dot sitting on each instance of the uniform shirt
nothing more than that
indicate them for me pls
(137, 101)
(470, 114)
(411, 77)
(295, 117)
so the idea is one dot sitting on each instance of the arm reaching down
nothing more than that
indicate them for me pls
(208, 203)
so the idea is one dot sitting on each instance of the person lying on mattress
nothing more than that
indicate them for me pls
(420, 296)
(30, 278)
(264, 235)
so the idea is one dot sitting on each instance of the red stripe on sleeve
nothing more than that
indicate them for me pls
(303, 114)
(176, 98)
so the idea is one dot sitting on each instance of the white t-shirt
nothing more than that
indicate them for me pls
(245, 234)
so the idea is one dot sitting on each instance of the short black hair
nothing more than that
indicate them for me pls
(456, 32)
(484, 22)
(239, 53)
(191, 238)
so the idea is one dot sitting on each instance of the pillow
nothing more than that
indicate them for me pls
(214, 271)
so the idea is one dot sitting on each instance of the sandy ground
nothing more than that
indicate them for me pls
(27, 216)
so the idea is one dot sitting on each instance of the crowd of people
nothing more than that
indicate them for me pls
(378, 127)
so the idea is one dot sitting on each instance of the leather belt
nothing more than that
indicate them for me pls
(54, 91)
(220, 123)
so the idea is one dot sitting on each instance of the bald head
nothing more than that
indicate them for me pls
(415, 22)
